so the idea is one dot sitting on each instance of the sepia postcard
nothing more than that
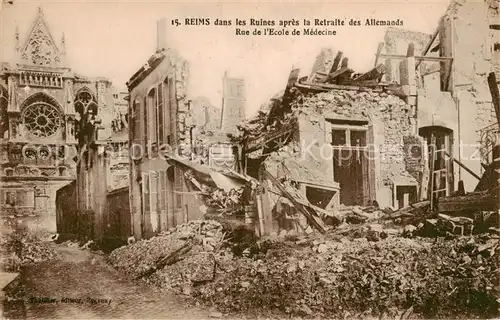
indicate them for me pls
(249, 160)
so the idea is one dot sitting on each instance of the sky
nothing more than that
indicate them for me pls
(113, 39)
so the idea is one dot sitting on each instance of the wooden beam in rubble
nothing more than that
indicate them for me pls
(374, 74)
(428, 46)
(308, 212)
(336, 61)
(401, 57)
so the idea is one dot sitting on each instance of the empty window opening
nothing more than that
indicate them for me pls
(339, 137)
(405, 195)
(319, 197)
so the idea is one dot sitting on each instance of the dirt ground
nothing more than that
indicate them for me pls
(80, 285)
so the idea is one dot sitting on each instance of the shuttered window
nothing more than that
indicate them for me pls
(136, 130)
(145, 125)
(162, 196)
(173, 112)
(160, 113)
(153, 199)
(167, 111)
(153, 121)
(145, 192)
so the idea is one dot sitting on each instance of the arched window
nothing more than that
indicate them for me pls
(161, 115)
(85, 102)
(136, 120)
(167, 117)
(4, 124)
(145, 123)
(153, 121)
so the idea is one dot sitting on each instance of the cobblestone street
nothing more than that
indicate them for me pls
(83, 275)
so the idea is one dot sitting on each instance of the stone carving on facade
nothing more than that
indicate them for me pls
(40, 49)
(48, 172)
(20, 131)
(27, 171)
(70, 131)
(70, 108)
(8, 172)
(40, 79)
(12, 105)
(14, 128)
(40, 191)
(101, 93)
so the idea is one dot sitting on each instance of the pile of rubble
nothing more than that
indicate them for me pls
(252, 127)
(21, 247)
(223, 201)
(358, 278)
(173, 258)
(372, 268)
(350, 103)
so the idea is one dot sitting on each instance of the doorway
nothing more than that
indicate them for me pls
(350, 162)
(348, 172)
(440, 142)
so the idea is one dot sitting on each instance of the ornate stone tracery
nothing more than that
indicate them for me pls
(40, 48)
(42, 119)
(85, 102)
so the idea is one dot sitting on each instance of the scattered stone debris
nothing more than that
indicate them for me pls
(175, 258)
(21, 248)
(365, 269)
(354, 261)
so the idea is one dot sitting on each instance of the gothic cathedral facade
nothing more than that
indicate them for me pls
(45, 109)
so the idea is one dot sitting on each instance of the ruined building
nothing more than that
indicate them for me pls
(171, 132)
(159, 106)
(396, 42)
(402, 132)
(338, 143)
(460, 105)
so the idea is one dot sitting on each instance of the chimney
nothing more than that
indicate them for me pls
(161, 34)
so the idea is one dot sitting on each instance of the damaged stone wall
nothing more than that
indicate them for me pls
(387, 115)
(323, 63)
(181, 80)
(413, 147)
(494, 18)
(168, 68)
(465, 34)
(396, 41)
(204, 120)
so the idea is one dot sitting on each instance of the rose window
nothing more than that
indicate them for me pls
(42, 119)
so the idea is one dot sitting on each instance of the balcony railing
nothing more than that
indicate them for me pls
(40, 79)
(488, 139)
